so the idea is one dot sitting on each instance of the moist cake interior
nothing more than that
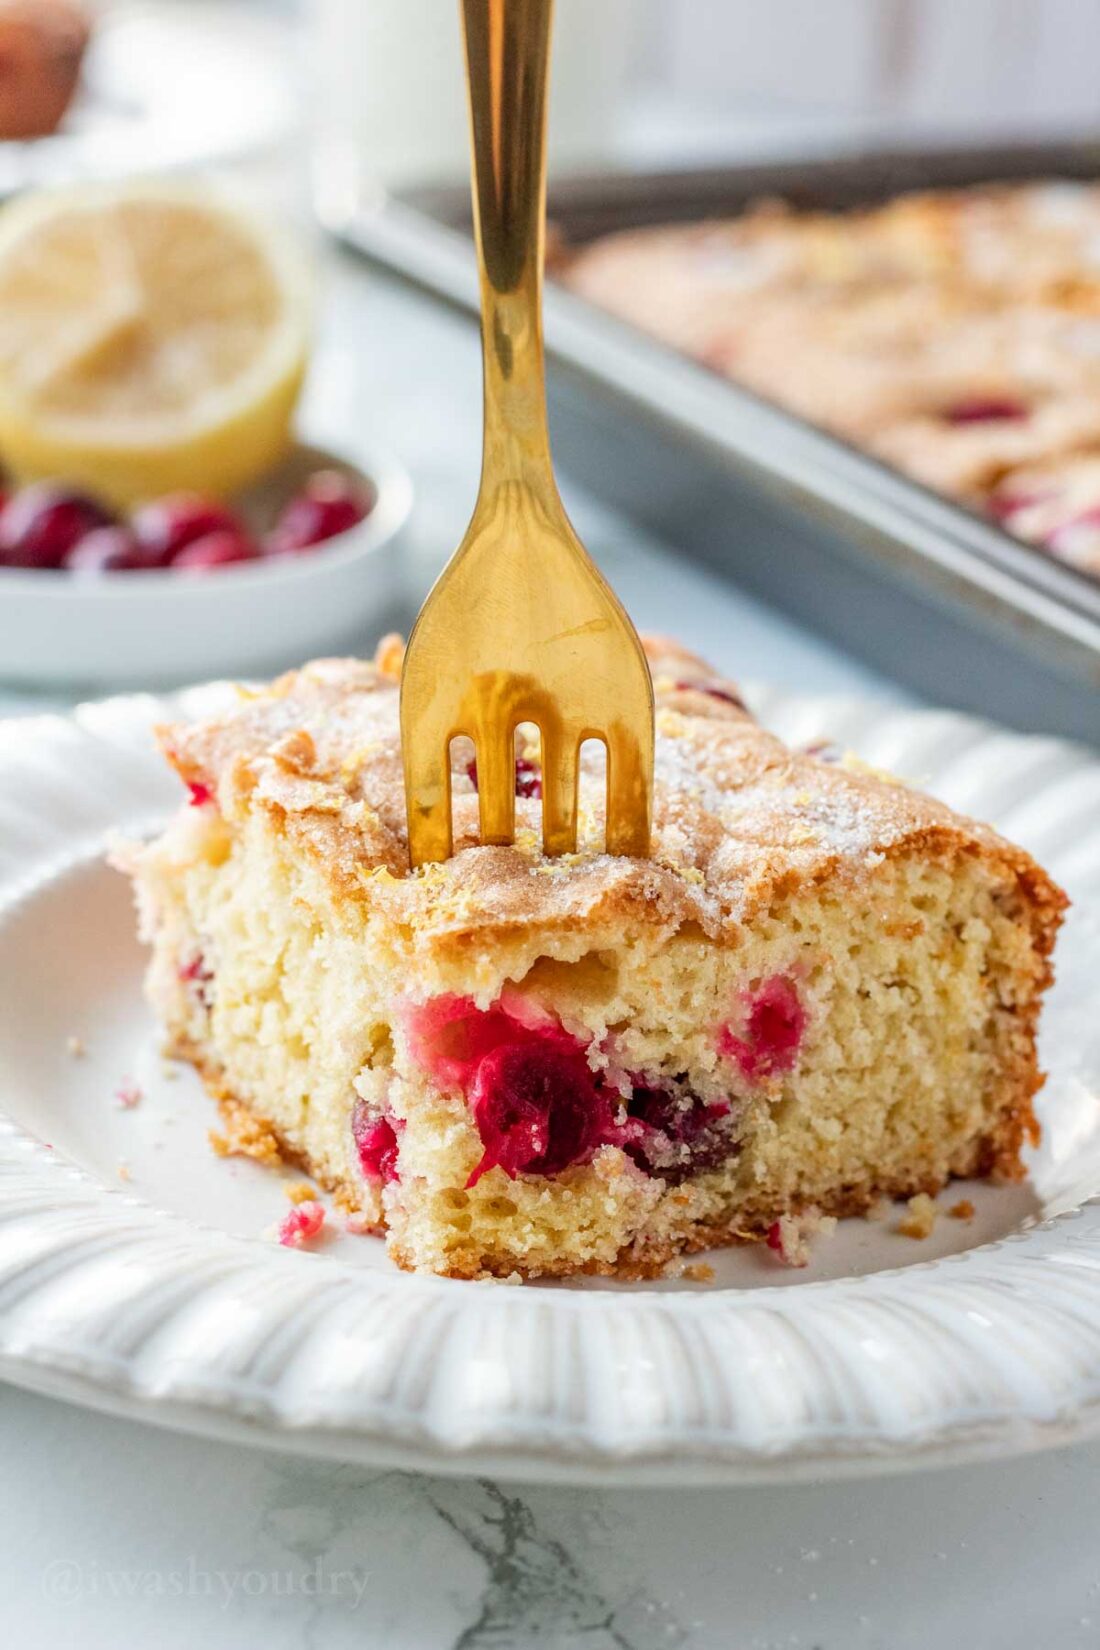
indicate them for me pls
(823, 990)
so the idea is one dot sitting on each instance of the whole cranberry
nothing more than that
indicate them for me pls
(167, 525)
(219, 549)
(329, 503)
(109, 550)
(39, 525)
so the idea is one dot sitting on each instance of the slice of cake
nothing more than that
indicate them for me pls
(823, 988)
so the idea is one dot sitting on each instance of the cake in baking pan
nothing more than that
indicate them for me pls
(954, 334)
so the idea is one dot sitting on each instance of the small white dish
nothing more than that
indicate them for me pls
(134, 1276)
(153, 629)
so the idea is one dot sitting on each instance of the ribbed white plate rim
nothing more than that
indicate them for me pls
(122, 1306)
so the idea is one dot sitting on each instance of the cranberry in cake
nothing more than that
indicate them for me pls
(822, 989)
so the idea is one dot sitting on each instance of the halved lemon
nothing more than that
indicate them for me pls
(152, 338)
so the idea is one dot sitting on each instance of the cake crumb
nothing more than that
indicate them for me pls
(128, 1095)
(920, 1219)
(361, 1225)
(76, 1047)
(790, 1236)
(698, 1272)
(245, 1135)
(301, 1224)
(345, 1201)
(963, 1210)
(299, 1191)
(170, 1073)
(124, 1170)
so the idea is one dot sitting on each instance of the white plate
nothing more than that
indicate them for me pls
(162, 86)
(165, 627)
(157, 1297)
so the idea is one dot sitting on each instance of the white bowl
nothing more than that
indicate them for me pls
(147, 629)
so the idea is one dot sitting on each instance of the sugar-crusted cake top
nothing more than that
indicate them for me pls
(738, 817)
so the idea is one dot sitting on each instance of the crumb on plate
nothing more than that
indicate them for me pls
(920, 1218)
(301, 1224)
(245, 1135)
(790, 1236)
(698, 1272)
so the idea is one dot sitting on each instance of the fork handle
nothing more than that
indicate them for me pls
(507, 63)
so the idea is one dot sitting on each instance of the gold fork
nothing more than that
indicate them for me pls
(520, 627)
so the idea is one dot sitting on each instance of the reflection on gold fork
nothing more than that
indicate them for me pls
(521, 626)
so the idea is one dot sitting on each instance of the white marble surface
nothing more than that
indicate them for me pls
(114, 1535)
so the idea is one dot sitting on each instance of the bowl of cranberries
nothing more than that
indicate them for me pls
(188, 585)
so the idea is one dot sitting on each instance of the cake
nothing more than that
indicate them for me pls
(954, 334)
(42, 46)
(822, 989)
(1057, 505)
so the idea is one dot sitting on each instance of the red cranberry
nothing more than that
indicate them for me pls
(200, 794)
(39, 525)
(376, 1143)
(165, 526)
(109, 550)
(221, 549)
(198, 977)
(774, 1028)
(329, 503)
(537, 1104)
(986, 409)
(675, 1133)
(528, 777)
(449, 1036)
(538, 1109)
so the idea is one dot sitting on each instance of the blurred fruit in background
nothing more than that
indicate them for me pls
(330, 503)
(49, 527)
(39, 525)
(42, 45)
(153, 339)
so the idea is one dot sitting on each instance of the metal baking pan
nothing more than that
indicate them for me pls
(918, 586)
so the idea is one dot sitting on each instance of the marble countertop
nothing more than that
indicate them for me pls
(115, 1535)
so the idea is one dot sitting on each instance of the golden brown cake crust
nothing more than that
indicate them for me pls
(738, 818)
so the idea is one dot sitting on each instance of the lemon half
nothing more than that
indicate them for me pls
(152, 338)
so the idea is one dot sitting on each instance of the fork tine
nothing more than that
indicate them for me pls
(559, 793)
(496, 781)
(427, 763)
(629, 787)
